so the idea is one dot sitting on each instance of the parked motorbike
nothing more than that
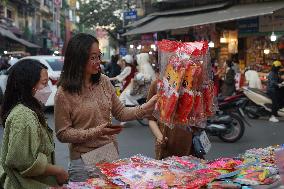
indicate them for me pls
(229, 122)
(258, 103)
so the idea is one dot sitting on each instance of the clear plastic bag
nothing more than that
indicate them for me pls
(168, 90)
(184, 86)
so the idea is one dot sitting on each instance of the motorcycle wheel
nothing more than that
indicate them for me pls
(236, 131)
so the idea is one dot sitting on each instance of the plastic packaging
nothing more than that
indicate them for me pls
(185, 88)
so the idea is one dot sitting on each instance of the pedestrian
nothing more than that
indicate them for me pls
(229, 82)
(27, 158)
(169, 142)
(252, 79)
(128, 71)
(85, 103)
(273, 90)
(216, 76)
(112, 69)
(140, 83)
(4, 64)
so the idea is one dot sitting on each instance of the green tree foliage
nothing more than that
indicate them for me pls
(101, 13)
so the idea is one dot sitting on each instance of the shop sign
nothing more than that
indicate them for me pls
(247, 26)
(269, 22)
(122, 51)
(130, 15)
(72, 4)
(147, 39)
(57, 3)
(181, 31)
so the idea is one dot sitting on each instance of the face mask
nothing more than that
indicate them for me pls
(42, 95)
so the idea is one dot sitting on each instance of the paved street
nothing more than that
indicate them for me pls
(138, 139)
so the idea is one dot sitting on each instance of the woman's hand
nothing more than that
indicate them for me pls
(112, 130)
(149, 106)
(61, 176)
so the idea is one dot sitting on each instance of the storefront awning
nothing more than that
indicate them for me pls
(10, 35)
(237, 12)
(175, 12)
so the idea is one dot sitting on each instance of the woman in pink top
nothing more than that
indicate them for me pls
(86, 101)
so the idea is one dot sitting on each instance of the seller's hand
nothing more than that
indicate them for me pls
(61, 176)
(149, 106)
(112, 130)
(161, 140)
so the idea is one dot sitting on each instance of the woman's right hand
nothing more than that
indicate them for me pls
(112, 130)
(61, 176)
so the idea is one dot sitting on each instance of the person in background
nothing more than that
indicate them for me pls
(229, 87)
(128, 71)
(4, 64)
(235, 63)
(216, 76)
(140, 83)
(273, 91)
(27, 158)
(252, 78)
(112, 69)
(85, 103)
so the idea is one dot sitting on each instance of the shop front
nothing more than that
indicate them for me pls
(261, 39)
(10, 42)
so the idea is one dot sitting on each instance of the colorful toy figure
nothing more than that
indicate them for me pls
(208, 95)
(198, 78)
(186, 98)
(197, 113)
(168, 89)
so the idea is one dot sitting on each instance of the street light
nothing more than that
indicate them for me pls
(273, 37)
(266, 51)
(5, 52)
(153, 46)
(211, 44)
(131, 46)
(223, 40)
(139, 47)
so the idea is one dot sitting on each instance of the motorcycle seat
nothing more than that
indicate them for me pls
(259, 92)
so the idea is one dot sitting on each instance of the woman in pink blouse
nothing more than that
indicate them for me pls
(86, 101)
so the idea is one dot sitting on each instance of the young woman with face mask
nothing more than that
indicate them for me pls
(85, 103)
(27, 158)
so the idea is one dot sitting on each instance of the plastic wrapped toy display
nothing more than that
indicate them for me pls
(184, 87)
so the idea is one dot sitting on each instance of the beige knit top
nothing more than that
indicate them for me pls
(79, 119)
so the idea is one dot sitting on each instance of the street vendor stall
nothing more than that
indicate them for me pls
(186, 100)
(256, 168)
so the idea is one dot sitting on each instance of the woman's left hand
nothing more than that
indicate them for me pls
(149, 106)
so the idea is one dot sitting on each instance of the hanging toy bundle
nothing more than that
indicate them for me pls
(186, 96)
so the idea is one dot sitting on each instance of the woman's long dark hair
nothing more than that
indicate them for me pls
(23, 77)
(76, 58)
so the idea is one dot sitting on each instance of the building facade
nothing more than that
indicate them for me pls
(41, 23)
